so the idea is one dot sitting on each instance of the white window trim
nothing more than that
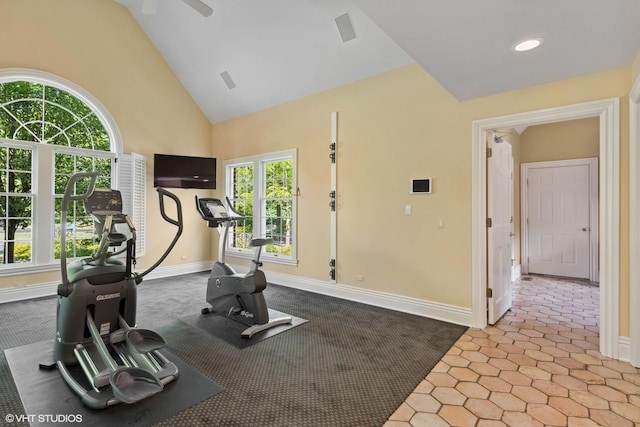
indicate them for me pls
(258, 161)
(115, 138)
(12, 74)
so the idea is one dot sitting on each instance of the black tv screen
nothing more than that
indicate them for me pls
(184, 171)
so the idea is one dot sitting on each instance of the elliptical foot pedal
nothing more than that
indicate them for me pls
(144, 340)
(130, 385)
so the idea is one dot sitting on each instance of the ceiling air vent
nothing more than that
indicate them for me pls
(227, 79)
(345, 27)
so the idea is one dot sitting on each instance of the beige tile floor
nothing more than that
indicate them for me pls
(538, 366)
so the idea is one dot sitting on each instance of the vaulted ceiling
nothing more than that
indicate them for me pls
(279, 50)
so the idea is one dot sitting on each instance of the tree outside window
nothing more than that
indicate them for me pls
(268, 182)
(277, 205)
(46, 135)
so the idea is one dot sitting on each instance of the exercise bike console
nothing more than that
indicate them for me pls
(214, 212)
(236, 296)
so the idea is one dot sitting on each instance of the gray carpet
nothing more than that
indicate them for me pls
(350, 365)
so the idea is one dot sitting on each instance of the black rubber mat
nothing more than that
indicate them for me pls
(47, 399)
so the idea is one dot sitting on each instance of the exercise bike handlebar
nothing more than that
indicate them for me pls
(235, 214)
(162, 193)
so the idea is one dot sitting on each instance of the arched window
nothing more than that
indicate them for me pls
(49, 130)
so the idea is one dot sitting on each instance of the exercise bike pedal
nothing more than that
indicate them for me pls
(234, 311)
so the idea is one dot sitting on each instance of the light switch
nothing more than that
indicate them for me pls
(407, 209)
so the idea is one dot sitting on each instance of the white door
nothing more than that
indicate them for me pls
(558, 220)
(500, 231)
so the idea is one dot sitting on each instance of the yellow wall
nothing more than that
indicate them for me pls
(98, 46)
(393, 127)
(575, 139)
(635, 67)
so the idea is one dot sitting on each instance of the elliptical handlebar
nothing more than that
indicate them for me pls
(177, 222)
(162, 193)
(69, 196)
(71, 185)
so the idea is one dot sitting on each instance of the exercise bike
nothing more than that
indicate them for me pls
(236, 296)
(96, 310)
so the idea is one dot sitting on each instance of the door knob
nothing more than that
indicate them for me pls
(585, 229)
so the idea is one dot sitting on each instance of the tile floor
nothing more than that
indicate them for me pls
(538, 366)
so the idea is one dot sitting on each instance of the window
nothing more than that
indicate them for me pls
(81, 240)
(16, 202)
(49, 130)
(262, 189)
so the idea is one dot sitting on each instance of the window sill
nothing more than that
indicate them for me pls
(22, 270)
(267, 259)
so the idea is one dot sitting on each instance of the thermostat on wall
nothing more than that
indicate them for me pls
(420, 186)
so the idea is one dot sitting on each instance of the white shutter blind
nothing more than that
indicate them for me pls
(132, 182)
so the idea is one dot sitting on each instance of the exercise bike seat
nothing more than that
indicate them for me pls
(260, 242)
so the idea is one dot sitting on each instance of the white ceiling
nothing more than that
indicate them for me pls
(280, 50)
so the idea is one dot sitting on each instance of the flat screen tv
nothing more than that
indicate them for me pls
(184, 171)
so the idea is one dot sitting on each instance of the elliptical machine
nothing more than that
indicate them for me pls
(96, 310)
(236, 296)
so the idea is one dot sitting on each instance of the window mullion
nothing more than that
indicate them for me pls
(259, 215)
(42, 128)
(43, 217)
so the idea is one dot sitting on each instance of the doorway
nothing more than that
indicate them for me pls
(560, 218)
(608, 111)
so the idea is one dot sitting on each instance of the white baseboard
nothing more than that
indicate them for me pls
(28, 292)
(177, 270)
(50, 289)
(624, 349)
(433, 310)
(516, 272)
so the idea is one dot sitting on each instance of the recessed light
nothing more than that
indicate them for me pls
(529, 44)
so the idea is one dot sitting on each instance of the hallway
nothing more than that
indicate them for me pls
(538, 366)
